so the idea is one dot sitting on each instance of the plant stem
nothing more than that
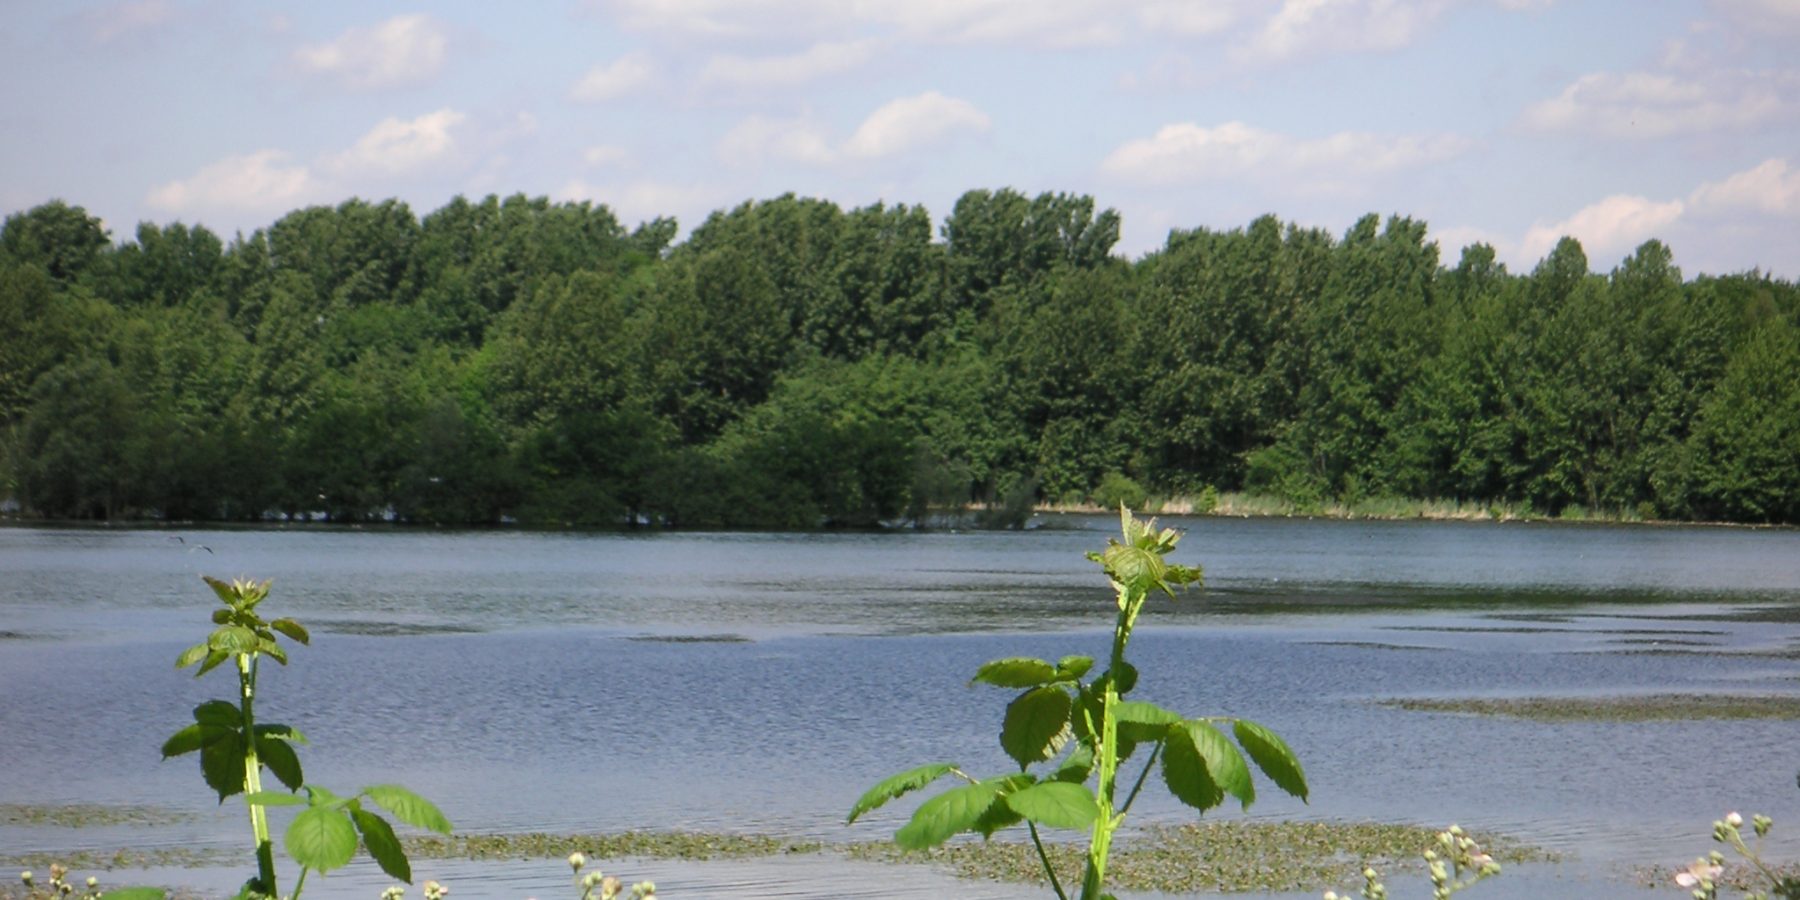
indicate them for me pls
(1148, 764)
(299, 885)
(259, 818)
(1100, 844)
(1045, 859)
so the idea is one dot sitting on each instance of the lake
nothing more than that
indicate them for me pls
(758, 683)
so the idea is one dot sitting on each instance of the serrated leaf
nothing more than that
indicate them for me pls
(274, 798)
(1036, 725)
(213, 659)
(1272, 756)
(1223, 761)
(279, 756)
(272, 649)
(232, 639)
(895, 785)
(951, 812)
(221, 616)
(281, 732)
(190, 656)
(318, 796)
(321, 838)
(1126, 679)
(187, 740)
(1015, 672)
(292, 629)
(218, 713)
(222, 764)
(1185, 772)
(224, 591)
(1070, 668)
(1057, 804)
(408, 807)
(1142, 721)
(1134, 567)
(1077, 766)
(378, 837)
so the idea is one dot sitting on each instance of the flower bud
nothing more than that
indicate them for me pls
(25, 876)
(577, 860)
(93, 882)
(1734, 820)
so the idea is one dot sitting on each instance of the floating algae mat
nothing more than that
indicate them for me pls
(1647, 708)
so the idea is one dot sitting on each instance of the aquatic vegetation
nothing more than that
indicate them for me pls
(682, 845)
(1455, 863)
(1055, 710)
(89, 815)
(1648, 708)
(234, 748)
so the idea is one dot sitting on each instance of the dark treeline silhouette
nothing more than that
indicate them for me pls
(793, 363)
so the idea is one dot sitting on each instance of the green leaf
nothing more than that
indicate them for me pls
(232, 639)
(1036, 725)
(222, 764)
(281, 732)
(1185, 772)
(272, 649)
(1141, 721)
(218, 713)
(279, 756)
(895, 785)
(1070, 668)
(213, 660)
(409, 807)
(1137, 569)
(221, 616)
(1057, 804)
(292, 629)
(227, 596)
(1223, 761)
(321, 838)
(187, 740)
(1077, 766)
(951, 812)
(1015, 672)
(1272, 756)
(379, 837)
(137, 893)
(188, 657)
(1125, 679)
(274, 798)
(318, 796)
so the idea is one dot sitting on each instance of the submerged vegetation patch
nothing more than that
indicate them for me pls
(1375, 645)
(88, 815)
(681, 845)
(1648, 708)
(394, 629)
(1227, 857)
(691, 638)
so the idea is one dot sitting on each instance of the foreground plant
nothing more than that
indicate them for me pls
(1456, 863)
(234, 748)
(1704, 875)
(597, 886)
(1056, 710)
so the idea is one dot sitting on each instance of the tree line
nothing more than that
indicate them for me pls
(792, 363)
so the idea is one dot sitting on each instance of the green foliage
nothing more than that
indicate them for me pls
(1058, 711)
(234, 749)
(1118, 489)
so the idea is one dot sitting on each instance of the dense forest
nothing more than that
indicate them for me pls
(793, 363)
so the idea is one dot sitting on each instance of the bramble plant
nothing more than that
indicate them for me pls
(1100, 729)
(1456, 863)
(1703, 875)
(234, 748)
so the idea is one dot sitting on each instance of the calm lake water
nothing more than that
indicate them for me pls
(759, 682)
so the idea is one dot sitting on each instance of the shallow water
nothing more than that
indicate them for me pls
(759, 682)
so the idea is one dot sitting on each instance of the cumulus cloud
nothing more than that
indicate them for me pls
(817, 61)
(1763, 16)
(107, 24)
(609, 81)
(912, 122)
(1187, 153)
(396, 146)
(601, 155)
(1303, 27)
(403, 50)
(1772, 188)
(758, 139)
(255, 182)
(640, 201)
(1612, 226)
(1654, 105)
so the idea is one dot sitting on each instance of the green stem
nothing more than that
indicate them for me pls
(299, 885)
(1100, 844)
(259, 818)
(1140, 780)
(1045, 859)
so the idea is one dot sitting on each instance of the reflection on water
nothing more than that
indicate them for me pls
(757, 683)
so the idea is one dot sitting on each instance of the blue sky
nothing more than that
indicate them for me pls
(1506, 121)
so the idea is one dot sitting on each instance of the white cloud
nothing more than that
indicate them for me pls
(1187, 153)
(757, 139)
(819, 60)
(912, 122)
(601, 155)
(1652, 105)
(403, 50)
(1613, 226)
(109, 23)
(641, 201)
(255, 182)
(1303, 27)
(1190, 18)
(1763, 16)
(1771, 187)
(609, 81)
(396, 146)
